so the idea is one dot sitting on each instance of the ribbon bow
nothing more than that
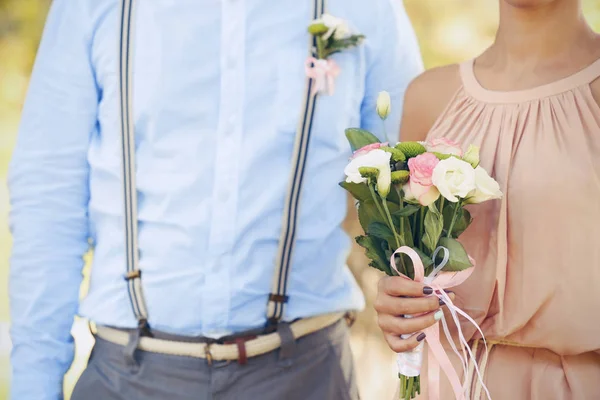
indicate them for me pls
(437, 356)
(323, 72)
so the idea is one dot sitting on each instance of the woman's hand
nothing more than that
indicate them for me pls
(397, 296)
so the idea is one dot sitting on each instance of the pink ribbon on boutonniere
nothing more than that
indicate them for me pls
(437, 357)
(323, 72)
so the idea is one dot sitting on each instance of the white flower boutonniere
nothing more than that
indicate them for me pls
(332, 35)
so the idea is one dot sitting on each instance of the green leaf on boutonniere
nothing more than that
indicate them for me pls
(360, 191)
(374, 252)
(382, 231)
(458, 260)
(360, 138)
(434, 224)
(463, 219)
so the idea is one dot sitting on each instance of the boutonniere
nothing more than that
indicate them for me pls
(332, 35)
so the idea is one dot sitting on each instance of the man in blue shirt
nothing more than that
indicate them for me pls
(217, 91)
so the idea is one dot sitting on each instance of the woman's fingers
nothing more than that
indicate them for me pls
(405, 305)
(400, 325)
(398, 286)
(399, 345)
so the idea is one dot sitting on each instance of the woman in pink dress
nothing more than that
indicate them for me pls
(531, 102)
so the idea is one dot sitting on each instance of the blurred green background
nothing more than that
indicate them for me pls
(448, 30)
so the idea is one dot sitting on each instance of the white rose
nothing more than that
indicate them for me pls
(454, 178)
(337, 27)
(342, 31)
(375, 159)
(486, 188)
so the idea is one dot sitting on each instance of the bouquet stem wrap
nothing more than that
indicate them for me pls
(409, 363)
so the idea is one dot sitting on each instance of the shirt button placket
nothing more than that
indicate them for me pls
(217, 296)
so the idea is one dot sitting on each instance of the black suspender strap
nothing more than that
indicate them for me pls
(278, 297)
(134, 274)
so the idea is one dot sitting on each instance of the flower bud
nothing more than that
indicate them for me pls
(411, 149)
(383, 104)
(317, 28)
(368, 172)
(400, 177)
(472, 156)
(397, 155)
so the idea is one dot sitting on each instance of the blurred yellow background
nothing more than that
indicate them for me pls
(448, 30)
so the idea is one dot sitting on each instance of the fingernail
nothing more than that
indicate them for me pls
(442, 303)
(421, 337)
(438, 315)
(427, 290)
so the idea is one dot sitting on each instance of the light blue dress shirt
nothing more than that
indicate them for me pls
(218, 86)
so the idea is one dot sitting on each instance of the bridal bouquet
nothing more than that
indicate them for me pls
(411, 199)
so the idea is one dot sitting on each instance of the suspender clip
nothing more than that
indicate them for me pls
(144, 327)
(278, 298)
(133, 274)
(208, 355)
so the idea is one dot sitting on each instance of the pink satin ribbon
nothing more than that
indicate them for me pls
(436, 356)
(324, 73)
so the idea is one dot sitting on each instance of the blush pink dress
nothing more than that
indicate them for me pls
(536, 287)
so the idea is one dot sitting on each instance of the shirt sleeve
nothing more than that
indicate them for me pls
(48, 185)
(393, 61)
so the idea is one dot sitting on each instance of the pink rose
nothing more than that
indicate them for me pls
(421, 187)
(364, 150)
(444, 146)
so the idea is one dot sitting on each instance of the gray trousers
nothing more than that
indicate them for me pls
(318, 366)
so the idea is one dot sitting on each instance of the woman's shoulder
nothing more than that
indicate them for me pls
(426, 98)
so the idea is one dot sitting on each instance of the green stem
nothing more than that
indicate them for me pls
(320, 49)
(387, 139)
(389, 218)
(374, 196)
(453, 219)
(402, 386)
(421, 227)
(409, 391)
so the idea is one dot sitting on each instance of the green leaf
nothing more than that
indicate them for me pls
(407, 211)
(434, 224)
(369, 213)
(463, 219)
(459, 259)
(374, 252)
(382, 231)
(360, 191)
(360, 138)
